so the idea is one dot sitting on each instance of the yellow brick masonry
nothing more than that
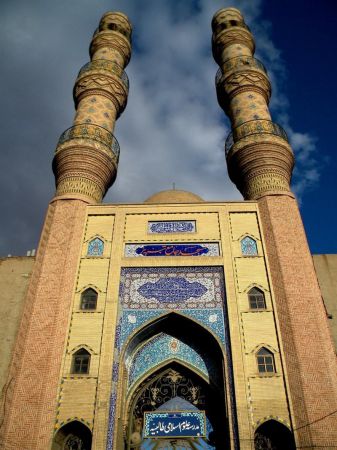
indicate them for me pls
(257, 397)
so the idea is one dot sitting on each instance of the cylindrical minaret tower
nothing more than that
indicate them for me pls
(260, 163)
(86, 158)
(85, 166)
(259, 158)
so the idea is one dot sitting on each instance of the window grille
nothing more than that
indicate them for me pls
(81, 362)
(89, 299)
(265, 361)
(256, 299)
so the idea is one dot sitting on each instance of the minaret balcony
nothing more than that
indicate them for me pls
(105, 65)
(238, 63)
(114, 27)
(113, 39)
(256, 129)
(219, 25)
(84, 134)
(230, 36)
(241, 74)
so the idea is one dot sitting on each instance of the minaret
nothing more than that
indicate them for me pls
(85, 166)
(260, 163)
(86, 158)
(259, 157)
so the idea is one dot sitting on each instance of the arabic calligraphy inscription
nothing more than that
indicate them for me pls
(172, 290)
(152, 250)
(175, 226)
(175, 424)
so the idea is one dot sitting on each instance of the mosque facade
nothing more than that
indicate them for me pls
(176, 323)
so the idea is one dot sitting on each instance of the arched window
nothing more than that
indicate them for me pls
(95, 247)
(89, 299)
(265, 361)
(273, 435)
(81, 361)
(248, 246)
(256, 299)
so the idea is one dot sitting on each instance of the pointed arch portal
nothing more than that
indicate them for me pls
(175, 383)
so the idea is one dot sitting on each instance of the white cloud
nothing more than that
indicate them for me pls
(173, 129)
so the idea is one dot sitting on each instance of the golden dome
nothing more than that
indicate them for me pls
(174, 196)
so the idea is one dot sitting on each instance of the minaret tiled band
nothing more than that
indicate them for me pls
(259, 157)
(86, 158)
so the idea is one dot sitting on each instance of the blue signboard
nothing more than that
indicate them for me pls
(174, 424)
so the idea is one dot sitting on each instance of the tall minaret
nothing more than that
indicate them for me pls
(259, 158)
(260, 162)
(85, 166)
(86, 158)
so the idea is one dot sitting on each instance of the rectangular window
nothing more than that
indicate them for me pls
(81, 364)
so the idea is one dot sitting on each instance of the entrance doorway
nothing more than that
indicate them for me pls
(180, 367)
(176, 388)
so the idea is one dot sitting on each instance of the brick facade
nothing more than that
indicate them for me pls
(36, 363)
(306, 339)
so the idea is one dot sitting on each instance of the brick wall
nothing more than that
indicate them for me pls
(31, 400)
(309, 353)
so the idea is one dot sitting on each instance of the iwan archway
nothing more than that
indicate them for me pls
(174, 365)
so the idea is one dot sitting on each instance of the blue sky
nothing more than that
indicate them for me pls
(172, 129)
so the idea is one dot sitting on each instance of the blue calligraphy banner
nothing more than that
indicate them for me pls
(175, 424)
(172, 250)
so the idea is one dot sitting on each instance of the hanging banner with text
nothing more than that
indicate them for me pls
(174, 424)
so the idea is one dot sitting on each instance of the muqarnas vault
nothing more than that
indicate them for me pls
(177, 323)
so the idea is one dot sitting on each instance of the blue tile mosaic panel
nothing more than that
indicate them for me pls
(174, 226)
(131, 320)
(171, 288)
(111, 423)
(248, 246)
(95, 247)
(136, 310)
(159, 349)
(204, 249)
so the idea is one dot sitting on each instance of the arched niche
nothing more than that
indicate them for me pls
(273, 435)
(187, 383)
(187, 331)
(72, 436)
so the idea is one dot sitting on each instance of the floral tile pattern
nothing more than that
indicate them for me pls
(95, 247)
(248, 246)
(158, 349)
(171, 288)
